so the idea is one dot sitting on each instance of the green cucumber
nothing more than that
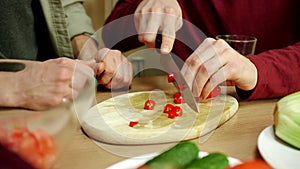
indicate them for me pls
(211, 161)
(176, 157)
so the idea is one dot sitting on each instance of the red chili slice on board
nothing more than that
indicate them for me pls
(172, 114)
(133, 123)
(171, 77)
(177, 110)
(149, 105)
(178, 99)
(168, 108)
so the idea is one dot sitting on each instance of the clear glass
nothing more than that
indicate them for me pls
(243, 44)
(34, 139)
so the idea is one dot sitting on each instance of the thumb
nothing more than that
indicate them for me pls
(100, 67)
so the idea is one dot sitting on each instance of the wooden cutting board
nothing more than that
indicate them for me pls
(109, 120)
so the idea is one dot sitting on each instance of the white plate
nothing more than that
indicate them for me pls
(135, 162)
(277, 153)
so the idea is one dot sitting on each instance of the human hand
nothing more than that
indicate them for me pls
(153, 16)
(46, 84)
(117, 73)
(215, 62)
(110, 65)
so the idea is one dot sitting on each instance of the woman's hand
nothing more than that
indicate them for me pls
(153, 16)
(215, 62)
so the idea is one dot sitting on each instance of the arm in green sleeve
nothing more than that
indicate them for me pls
(78, 20)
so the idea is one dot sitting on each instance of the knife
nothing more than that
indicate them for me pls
(168, 63)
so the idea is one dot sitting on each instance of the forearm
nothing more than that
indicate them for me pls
(278, 73)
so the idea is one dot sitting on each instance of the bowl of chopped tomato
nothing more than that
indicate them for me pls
(34, 139)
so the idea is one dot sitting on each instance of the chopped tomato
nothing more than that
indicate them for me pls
(215, 92)
(149, 105)
(171, 77)
(178, 99)
(133, 123)
(168, 108)
(257, 164)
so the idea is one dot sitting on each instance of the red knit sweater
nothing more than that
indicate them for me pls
(276, 24)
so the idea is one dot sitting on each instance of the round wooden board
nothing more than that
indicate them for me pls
(108, 121)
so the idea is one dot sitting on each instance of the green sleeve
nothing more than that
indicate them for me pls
(77, 19)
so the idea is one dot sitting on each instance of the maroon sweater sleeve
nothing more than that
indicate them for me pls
(278, 73)
(119, 31)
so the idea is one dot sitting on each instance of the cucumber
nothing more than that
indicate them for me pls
(211, 161)
(176, 157)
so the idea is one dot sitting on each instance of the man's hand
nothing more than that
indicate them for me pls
(118, 70)
(153, 16)
(46, 84)
(215, 62)
(113, 70)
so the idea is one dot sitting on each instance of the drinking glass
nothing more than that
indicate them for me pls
(243, 44)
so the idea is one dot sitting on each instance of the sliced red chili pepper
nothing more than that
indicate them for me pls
(168, 108)
(172, 114)
(171, 77)
(178, 99)
(215, 92)
(177, 110)
(149, 105)
(133, 123)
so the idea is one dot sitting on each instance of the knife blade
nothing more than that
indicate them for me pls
(169, 64)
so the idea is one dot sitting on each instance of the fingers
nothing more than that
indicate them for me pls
(215, 62)
(169, 28)
(100, 67)
(148, 28)
(155, 16)
(194, 66)
(117, 72)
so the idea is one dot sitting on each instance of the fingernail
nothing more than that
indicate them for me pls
(165, 49)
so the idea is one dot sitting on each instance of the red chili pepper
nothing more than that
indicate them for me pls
(215, 92)
(172, 114)
(168, 108)
(133, 123)
(171, 77)
(178, 99)
(177, 110)
(149, 105)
